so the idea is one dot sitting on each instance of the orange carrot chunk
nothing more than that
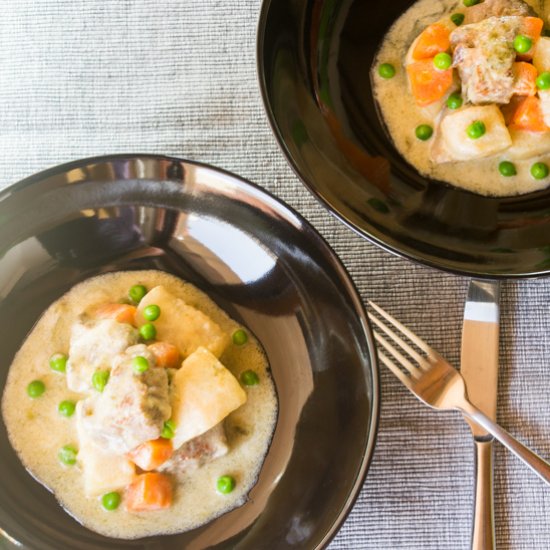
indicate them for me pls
(167, 355)
(431, 41)
(531, 27)
(123, 313)
(151, 454)
(525, 76)
(528, 116)
(428, 84)
(150, 491)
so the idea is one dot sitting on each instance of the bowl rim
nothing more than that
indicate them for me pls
(333, 210)
(349, 288)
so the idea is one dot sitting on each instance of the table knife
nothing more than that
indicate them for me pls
(479, 367)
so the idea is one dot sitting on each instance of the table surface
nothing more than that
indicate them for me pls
(89, 77)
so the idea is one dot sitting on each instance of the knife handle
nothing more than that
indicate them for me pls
(483, 531)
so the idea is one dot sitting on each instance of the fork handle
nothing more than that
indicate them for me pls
(534, 461)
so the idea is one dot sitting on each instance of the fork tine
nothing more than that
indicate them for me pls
(409, 334)
(402, 360)
(398, 340)
(395, 369)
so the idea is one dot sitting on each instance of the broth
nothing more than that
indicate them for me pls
(401, 115)
(37, 431)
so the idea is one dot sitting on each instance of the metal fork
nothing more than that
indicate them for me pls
(438, 384)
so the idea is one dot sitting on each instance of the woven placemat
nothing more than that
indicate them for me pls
(178, 77)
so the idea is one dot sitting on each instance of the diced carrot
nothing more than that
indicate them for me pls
(431, 41)
(123, 313)
(428, 84)
(149, 491)
(509, 109)
(167, 355)
(531, 27)
(528, 116)
(151, 454)
(525, 76)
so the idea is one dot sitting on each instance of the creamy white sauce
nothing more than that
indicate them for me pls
(402, 116)
(37, 431)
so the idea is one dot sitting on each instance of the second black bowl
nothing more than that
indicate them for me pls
(314, 59)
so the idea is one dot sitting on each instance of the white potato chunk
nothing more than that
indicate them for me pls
(93, 345)
(452, 142)
(541, 56)
(527, 145)
(182, 325)
(544, 96)
(102, 471)
(204, 392)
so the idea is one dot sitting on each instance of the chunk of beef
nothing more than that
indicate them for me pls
(484, 54)
(93, 345)
(497, 8)
(132, 407)
(198, 451)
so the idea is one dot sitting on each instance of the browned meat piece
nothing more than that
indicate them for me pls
(496, 8)
(132, 407)
(198, 451)
(483, 53)
(93, 345)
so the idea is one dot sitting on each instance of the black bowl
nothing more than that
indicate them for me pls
(314, 60)
(258, 260)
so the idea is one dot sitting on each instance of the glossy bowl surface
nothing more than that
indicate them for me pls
(314, 60)
(258, 260)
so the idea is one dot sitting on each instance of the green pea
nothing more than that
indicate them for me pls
(151, 313)
(110, 501)
(58, 362)
(168, 429)
(148, 331)
(454, 101)
(136, 293)
(249, 378)
(522, 43)
(443, 61)
(386, 70)
(539, 170)
(240, 337)
(66, 408)
(100, 379)
(507, 169)
(225, 484)
(424, 132)
(543, 81)
(67, 455)
(476, 129)
(457, 19)
(470, 3)
(36, 388)
(140, 364)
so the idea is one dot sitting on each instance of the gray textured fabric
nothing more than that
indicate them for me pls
(178, 77)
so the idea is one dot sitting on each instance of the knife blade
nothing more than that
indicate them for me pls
(479, 367)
